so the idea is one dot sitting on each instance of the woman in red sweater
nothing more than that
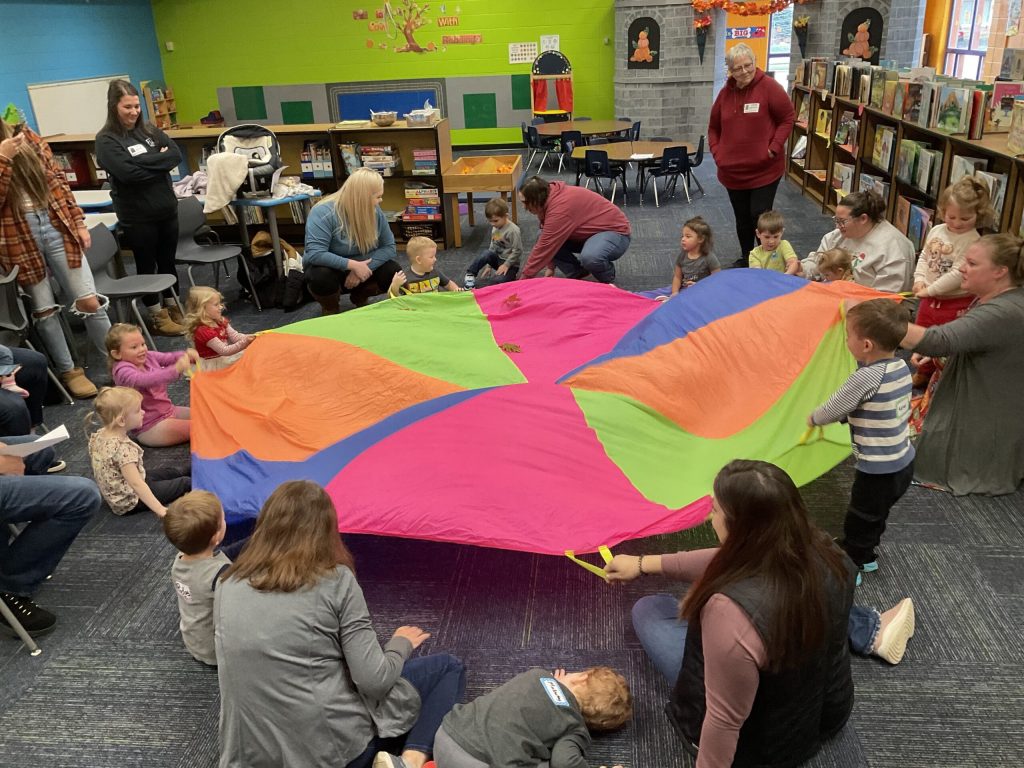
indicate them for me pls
(750, 122)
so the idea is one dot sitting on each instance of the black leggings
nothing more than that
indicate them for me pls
(324, 281)
(167, 484)
(747, 205)
(154, 244)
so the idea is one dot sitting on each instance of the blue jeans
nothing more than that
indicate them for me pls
(663, 634)
(55, 508)
(492, 260)
(440, 679)
(19, 414)
(596, 255)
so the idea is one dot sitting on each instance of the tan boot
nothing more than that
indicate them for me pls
(163, 325)
(174, 311)
(77, 384)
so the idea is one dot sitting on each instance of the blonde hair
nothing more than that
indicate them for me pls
(195, 312)
(418, 246)
(702, 230)
(838, 259)
(738, 51)
(355, 209)
(110, 404)
(1006, 250)
(605, 700)
(28, 176)
(115, 336)
(192, 521)
(971, 195)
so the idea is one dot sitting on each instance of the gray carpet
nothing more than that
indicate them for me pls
(114, 686)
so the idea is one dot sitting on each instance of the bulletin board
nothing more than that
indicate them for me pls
(71, 106)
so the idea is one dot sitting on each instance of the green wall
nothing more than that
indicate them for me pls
(257, 42)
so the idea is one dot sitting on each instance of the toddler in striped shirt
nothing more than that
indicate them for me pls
(875, 401)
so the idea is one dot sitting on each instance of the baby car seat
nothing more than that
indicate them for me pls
(261, 149)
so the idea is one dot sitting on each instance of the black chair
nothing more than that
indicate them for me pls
(634, 132)
(674, 163)
(597, 167)
(569, 141)
(526, 143)
(692, 161)
(547, 144)
(538, 121)
(577, 119)
(595, 140)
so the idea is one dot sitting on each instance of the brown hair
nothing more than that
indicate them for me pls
(703, 230)
(114, 338)
(110, 403)
(535, 192)
(195, 310)
(882, 321)
(605, 700)
(971, 195)
(28, 176)
(116, 90)
(835, 258)
(770, 536)
(1006, 250)
(192, 521)
(770, 222)
(418, 246)
(868, 202)
(495, 207)
(295, 542)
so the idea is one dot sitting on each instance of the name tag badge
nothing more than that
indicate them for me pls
(750, 108)
(137, 149)
(554, 692)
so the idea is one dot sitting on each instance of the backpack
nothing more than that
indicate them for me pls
(261, 148)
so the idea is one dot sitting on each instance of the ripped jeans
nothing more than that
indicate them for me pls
(74, 283)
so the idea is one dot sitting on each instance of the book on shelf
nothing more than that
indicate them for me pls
(919, 224)
(349, 155)
(912, 102)
(1015, 138)
(889, 96)
(907, 159)
(800, 148)
(1001, 106)
(864, 88)
(929, 103)
(899, 97)
(954, 109)
(803, 114)
(101, 175)
(868, 182)
(823, 123)
(996, 184)
(818, 173)
(819, 74)
(921, 74)
(799, 75)
(881, 151)
(880, 76)
(980, 99)
(929, 168)
(963, 165)
(848, 132)
(902, 220)
(842, 178)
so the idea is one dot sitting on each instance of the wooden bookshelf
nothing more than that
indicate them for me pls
(160, 104)
(823, 153)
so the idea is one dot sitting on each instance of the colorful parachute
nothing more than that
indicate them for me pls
(541, 415)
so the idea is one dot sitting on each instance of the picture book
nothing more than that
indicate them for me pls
(881, 152)
(929, 102)
(868, 182)
(819, 75)
(804, 112)
(906, 160)
(877, 87)
(919, 224)
(899, 97)
(911, 110)
(842, 178)
(889, 96)
(902, 221)
(848, 132)
(1001, 107)
(1015, 141)
(799, 148)
(965, 166)
(954, 109)
(864, 90)
(823, 123)
(923, 172)
(996, 183)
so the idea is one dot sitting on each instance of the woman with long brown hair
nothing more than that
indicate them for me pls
(759, 651)
(43, 233)
(349, 244)
(138, 158)
(303, 678)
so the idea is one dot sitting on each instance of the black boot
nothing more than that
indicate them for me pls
(331, 303)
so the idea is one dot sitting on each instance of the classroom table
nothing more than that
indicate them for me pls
(646, 154)
(486, 173)
(108, 219)
(585, 127)
(269, 204)
(93, 199)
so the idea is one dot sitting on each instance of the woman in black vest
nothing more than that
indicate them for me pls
(759, 651)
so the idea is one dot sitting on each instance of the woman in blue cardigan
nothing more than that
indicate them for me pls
(349, 245)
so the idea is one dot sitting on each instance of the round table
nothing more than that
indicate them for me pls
(646, 154)
(585, 127)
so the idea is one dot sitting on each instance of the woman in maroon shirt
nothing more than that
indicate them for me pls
(758, 651)
(750, 122)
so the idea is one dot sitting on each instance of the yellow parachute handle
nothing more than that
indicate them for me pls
(606, 555)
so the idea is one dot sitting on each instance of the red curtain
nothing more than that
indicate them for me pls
(564, 90)
(540, 95)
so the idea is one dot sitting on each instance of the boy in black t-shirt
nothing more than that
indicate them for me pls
(421, 277)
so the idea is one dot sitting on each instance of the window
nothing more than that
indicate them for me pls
(780, 41)
(969, 24)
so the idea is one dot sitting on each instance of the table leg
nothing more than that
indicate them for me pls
(275, 240)
(469, 209)
(515, 207)
(452, 217)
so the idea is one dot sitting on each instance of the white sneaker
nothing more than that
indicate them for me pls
(892, 641)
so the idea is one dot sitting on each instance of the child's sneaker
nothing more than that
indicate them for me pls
(469, 283)
(870, 567)
(860, 579)
(899, 628)
(34, 619)
(387, 760)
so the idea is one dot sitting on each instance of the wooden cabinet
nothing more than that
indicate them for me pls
(160, 104)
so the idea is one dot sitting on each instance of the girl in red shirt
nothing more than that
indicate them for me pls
(218, 344)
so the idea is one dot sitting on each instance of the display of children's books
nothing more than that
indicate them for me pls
(902, 220)
(1001, 108)
(842, 178)
(920, 223)
(1015, 141)
(881, 152)
(805, 111)
(823, 122)
(868, 182)
(911, 110)
(954, 110)
(963, 165)
(996, 183)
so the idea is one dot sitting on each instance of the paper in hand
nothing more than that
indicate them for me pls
(58, 435)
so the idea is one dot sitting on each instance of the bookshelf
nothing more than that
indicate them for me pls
(874, 129)
(160, 104)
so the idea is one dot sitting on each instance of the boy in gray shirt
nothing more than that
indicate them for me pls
(506, 248)
(537, 718)
(195, 525)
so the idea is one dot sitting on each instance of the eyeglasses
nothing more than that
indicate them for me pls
(744, 68)
(841, 222)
